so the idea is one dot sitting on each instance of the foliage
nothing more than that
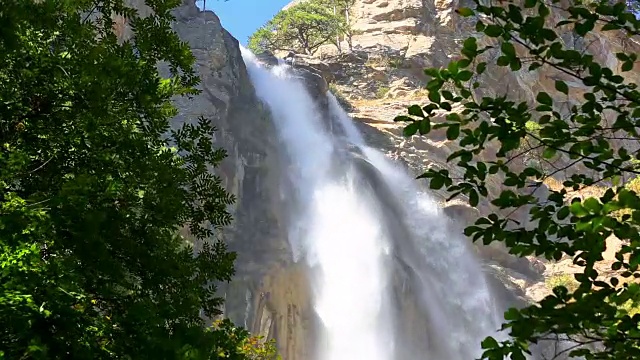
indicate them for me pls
(256, 349)
(93, 193)
(342, 6)
(252, 347)
(301, 28)
(382, 92)
(565, 280)
(532, 127)
(342, 9)
(589, 141)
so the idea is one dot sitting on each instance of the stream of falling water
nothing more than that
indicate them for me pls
(350, 231)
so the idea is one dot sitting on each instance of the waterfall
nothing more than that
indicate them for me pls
(360, 220)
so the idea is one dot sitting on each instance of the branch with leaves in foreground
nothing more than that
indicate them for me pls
(595, 320)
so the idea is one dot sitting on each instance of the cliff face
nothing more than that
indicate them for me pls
(396, 39)
(269, 294)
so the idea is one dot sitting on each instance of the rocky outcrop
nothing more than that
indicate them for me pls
(396, 39)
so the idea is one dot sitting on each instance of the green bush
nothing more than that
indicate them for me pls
(303, 28)
(382, 92)
(93, 193)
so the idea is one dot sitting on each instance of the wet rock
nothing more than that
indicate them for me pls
(461, 213)
(314, 80)
(268, 58)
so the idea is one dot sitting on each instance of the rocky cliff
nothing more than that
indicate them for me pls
(269, 294)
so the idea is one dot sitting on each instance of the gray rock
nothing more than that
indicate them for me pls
(268, 58)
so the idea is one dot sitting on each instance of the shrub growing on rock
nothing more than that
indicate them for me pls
(303, 28)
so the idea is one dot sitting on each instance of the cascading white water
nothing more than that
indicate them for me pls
(344, 229)
(349, 245)
(338, 231)
(470, 313)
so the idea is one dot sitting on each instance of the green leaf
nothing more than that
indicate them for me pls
(493, 30)
(433, 72)
(464, 11)
(578, 210)
(453, 131)
(464, 76)
(435, 85)
(410, 129)
(543, 10)
(544, 98)
(615, 180)
(424, 126)
(503, 61)
(402, 118)
(416, 110)
(549, 153)
(489, 343)
(463, 63)
(582, 28)
(481, 67)
(435, 96)
(563, 213)
(453, 67)
(512, 314)
(627, 198)
(592, 205)
(517, 355)
(470, 44)
(436, 182)
(511, 181)
(508, 49)
(473, 198)
(562, 87)
(515, 64)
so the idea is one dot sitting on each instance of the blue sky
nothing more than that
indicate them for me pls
(242, 17)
